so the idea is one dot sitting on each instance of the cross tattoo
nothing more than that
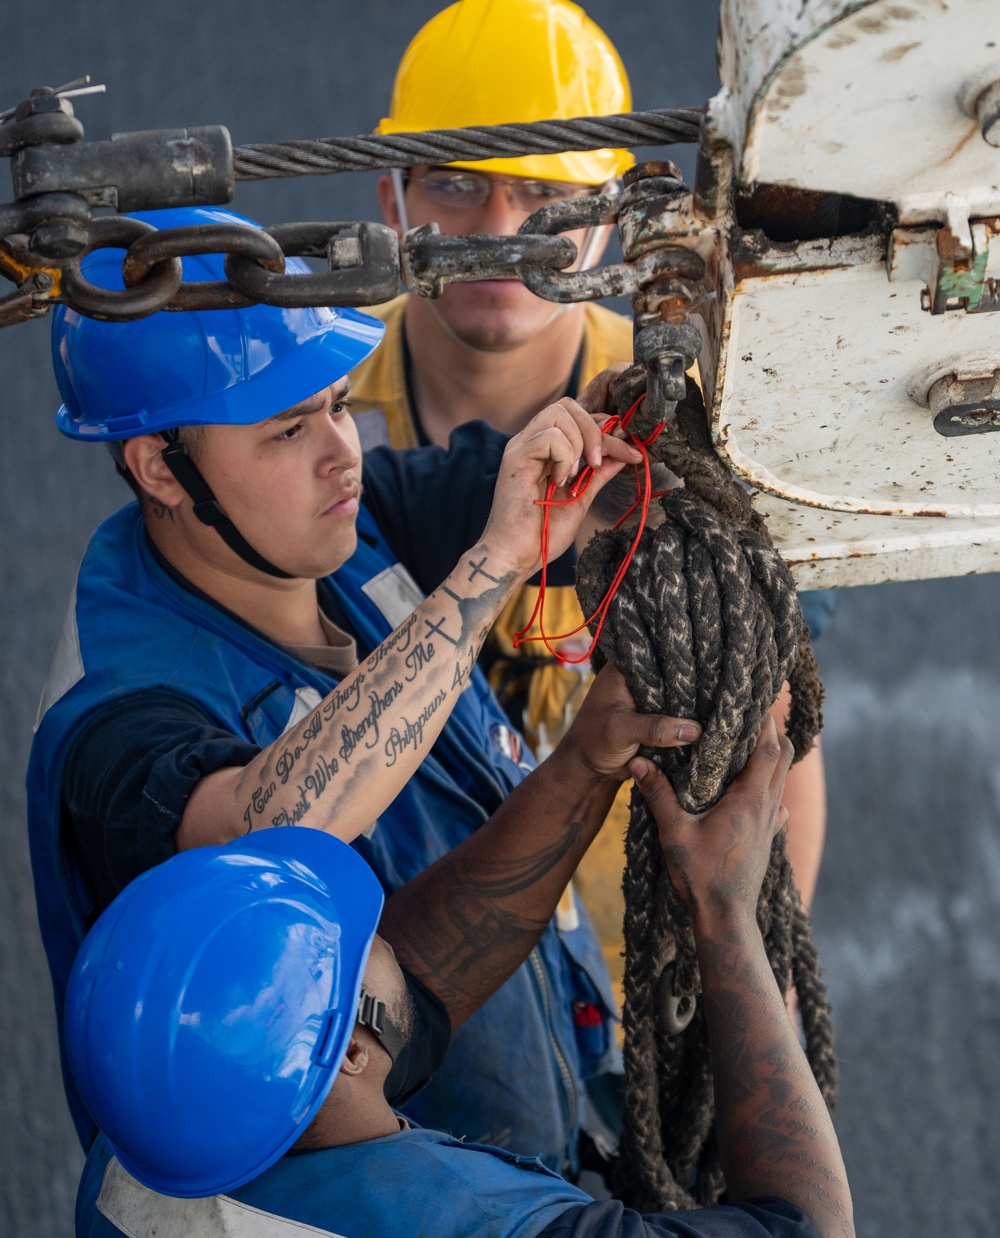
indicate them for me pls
(437, 629)
(478, 570)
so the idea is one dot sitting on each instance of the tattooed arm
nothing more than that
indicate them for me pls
(342, 765)
(775, 1134)
(464, 925)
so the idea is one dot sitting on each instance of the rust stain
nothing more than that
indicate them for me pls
(17, 272)
(813, 504)
(973, 132)
(897, 53)
(873, 25)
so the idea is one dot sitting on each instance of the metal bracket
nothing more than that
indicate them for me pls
(965, 405)
(965, 278)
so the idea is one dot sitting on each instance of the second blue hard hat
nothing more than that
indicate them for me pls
(212, 1003)
(204, 367)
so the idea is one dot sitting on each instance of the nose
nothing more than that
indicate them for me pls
(500, 217)
(341, 448)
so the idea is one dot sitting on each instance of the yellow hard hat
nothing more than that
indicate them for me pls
(496, 62)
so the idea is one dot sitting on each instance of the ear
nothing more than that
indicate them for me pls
(355, 1059)
(389, 205)
(144, 457)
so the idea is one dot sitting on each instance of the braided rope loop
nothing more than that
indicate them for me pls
(706, 624)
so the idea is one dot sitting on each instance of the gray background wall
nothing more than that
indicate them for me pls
(906, 911)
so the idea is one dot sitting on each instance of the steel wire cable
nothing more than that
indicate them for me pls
(321, 156)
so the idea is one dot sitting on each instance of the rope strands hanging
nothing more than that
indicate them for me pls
(307, 157)
(706, 625)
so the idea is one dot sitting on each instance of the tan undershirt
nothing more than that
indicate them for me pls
(339, 656)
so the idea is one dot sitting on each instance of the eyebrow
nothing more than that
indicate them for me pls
(314, 404)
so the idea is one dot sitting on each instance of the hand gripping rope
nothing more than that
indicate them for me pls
(702, 618)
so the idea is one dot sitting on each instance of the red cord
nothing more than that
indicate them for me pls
(578, 488)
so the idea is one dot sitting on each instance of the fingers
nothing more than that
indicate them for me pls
(590, 432)
(657, 792)
(657, 730)
(570, 437)
(768, 762)
(596, 396)
(619, 449)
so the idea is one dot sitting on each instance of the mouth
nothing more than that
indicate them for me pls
(507, 282)
(345, 503)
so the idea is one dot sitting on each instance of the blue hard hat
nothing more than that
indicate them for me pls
(211, 1005)
(200, 367)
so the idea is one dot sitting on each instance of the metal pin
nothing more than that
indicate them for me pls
(70, 91)
(77, 81)
(84, 90)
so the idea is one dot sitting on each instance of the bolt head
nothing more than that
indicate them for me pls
(59, 239)
(42, 101)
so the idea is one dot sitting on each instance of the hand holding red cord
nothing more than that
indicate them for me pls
(576, 492)
(537, 465)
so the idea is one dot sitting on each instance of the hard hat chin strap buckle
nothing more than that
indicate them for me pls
(373, 1015)
(206, 506)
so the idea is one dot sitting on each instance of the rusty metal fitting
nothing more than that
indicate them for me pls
(33, 299)
(672, 299)
(42, 119)
(667, 350)
(133, 171)
(58, 224)
(60, 239)
(431, 259)
(652, 167)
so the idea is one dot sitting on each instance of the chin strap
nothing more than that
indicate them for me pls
(372, 1014)
(206, 506)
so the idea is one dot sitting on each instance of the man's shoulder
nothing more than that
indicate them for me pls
(375, 380)
(607, 340)
(401, 1183)
(378, 386)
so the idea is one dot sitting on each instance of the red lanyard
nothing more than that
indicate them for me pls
(579, 488)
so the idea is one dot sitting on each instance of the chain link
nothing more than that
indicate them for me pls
(430, 260)
(59, 179)
(365, 262)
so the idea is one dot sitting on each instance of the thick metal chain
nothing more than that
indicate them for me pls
(365, 262)
(59, 179)
(661, 127)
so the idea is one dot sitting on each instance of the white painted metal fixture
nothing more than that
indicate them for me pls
(848, 203)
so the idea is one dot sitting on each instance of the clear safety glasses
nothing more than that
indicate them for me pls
(458, 189)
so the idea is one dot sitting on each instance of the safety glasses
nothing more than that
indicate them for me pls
(459, 189)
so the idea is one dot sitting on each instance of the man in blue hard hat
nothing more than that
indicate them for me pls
(249, 645)
(240, 1058)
